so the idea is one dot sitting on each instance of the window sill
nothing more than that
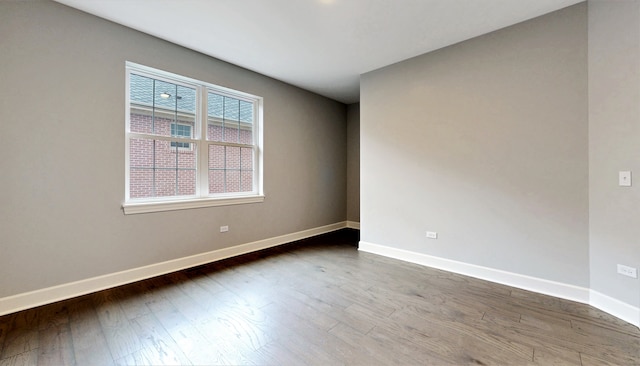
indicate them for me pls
(131, 208)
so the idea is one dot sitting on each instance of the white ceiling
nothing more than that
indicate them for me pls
(319, 45)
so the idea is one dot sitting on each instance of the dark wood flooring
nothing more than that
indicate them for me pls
(316, 302)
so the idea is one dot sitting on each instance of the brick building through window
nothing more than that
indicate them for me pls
(167, 140)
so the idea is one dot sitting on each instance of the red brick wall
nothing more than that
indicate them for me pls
(158, 169)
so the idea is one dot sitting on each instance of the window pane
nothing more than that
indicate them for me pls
(216, 181)
(231, 123)
(186, 182)
(141, 182)
(233, 181)
(164, 155)
(216, 157)
(246, 134)
(231, 108)
(246, 122)
(246, 158)
(155, 105)
(247, 181)
(186, 159)
(214, 131)
(246, 112)
(215, 105)
(165, 182)
(232, 157)
(141, 153)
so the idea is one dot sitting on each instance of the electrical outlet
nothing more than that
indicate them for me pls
(224, 229)
(432, 235)
(628, 271)
(624, 178)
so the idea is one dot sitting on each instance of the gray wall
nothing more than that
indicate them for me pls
(614, 145)
(486, 143)
(353, 162)
(62, 141)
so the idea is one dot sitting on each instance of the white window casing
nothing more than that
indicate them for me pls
(167, 170)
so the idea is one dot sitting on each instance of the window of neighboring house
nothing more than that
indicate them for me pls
(180, 130)
(189, 143)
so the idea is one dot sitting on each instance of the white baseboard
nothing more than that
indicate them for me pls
(353, 225)
(617, 308)
(65, 291)
(584, 295)
(557, 289)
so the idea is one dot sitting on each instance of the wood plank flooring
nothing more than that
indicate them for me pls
(316, 302)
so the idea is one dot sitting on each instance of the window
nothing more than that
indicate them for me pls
(180, 130)
(189, 143)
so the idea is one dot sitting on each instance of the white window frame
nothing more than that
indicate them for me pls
(199, 142)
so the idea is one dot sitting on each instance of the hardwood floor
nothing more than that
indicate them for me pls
(316, 302)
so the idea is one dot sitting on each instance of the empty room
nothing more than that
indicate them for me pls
(319, 182)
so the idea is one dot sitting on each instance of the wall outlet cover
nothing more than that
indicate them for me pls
(624, 178)
(627, 271)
